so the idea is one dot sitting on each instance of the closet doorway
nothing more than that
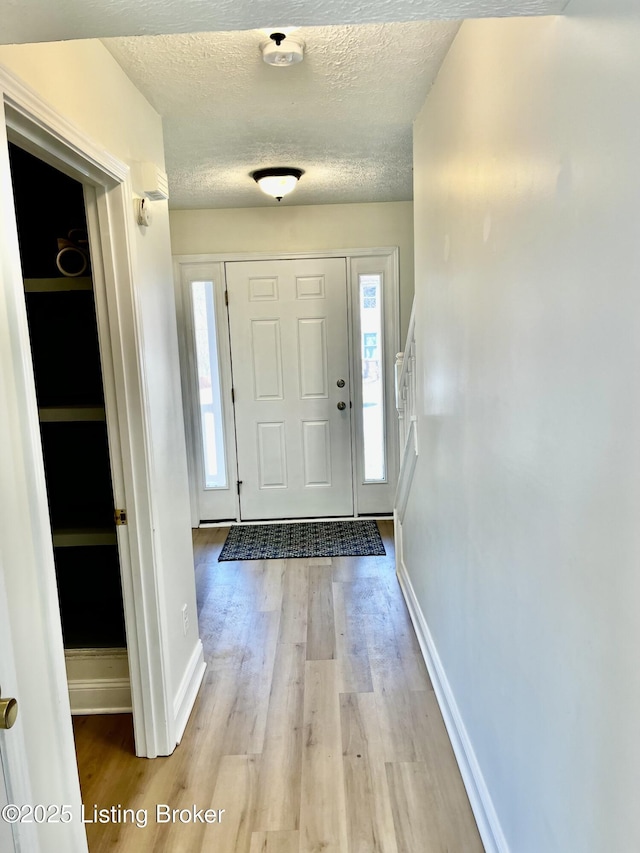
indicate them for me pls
(78, 427)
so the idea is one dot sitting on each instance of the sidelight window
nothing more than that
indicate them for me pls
(208, 375)
(372, 359)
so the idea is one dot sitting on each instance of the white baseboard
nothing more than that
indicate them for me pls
(98, 681)
(188, 690)
(479, 797)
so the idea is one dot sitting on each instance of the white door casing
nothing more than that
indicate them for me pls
(38, 754)
(288, 324)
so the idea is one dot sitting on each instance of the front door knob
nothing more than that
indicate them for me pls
(342, 406)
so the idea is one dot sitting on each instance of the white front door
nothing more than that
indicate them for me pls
(290, 362)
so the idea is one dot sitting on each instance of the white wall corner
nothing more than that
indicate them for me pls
(188, 690)
(481, 803)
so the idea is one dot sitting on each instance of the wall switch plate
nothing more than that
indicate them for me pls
(185, 619)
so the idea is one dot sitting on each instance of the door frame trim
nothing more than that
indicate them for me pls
(39, 128)
(392, 342)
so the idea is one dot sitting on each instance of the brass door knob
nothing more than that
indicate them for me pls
(8, 713)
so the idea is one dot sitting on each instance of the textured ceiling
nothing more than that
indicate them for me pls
(53, 20)
(344, 115)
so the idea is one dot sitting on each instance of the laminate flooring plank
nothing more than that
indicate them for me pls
(369, 815)
(244, 731)
(320, 561)
(205, 556)
(415, 809)
(422, 818)
(295, 602)
(350, 569)
(235, 792)
(351, 647)
(272, 585)
(394, 652)
(323, 820)
(225, 626)
(398, 672)
(321, 640)
(207, 544)
(439, 759)
(213, 612)
(278, 800)
(396, 712)
(274, 842)
(386, 528)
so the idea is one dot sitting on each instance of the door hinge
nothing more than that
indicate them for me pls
(226, 297)
(233, 395)
(120, 516)
(239, 483)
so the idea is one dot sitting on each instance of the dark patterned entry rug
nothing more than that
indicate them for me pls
(304, 539)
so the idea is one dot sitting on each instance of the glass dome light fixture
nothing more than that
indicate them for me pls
(277, 182)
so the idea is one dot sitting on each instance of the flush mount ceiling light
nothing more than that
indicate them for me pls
(277, 182)
(282, 50)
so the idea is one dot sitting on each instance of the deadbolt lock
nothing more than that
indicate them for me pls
(340, 383)
(8, 712)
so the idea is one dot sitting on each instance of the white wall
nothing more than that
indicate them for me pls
(306, 228)
(521, 531)
(84, 84)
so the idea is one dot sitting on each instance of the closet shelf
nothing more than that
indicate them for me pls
(58, 414)
(51, 285)
(82, 536)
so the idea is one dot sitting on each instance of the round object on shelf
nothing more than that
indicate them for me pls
(71, 261)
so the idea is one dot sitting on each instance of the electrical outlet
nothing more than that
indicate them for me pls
(185, 619)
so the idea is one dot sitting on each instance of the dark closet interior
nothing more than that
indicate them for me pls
(66, 359)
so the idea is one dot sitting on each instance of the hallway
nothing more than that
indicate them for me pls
(316, 727)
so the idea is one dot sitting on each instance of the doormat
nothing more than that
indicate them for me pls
(306, 539)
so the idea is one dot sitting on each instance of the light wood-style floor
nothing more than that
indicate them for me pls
(316, 727)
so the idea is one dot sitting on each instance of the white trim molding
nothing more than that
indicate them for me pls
(188, 690)
(98, 681)
(40, 129)
(32, 117)
(477, 791)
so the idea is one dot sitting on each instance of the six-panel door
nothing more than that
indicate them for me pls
(289, 352)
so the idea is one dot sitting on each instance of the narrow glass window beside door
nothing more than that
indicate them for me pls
(372, 358)
(211, 422)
